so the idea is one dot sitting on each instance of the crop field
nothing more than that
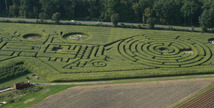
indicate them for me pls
(205, 100)
(77, 53)
(153, 94)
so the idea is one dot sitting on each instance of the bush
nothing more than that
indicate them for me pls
(151, 22)
(115, 19)
(139, 27)
(56, 17)
(43, 16)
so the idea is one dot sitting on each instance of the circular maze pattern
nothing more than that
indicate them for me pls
(162, 52)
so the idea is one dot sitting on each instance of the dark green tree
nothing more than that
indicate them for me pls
(168, 10)
(30, 8)
(206, 19)
(115, 19)
(190, 12)
(14, 10)
(113, 6)
(151, 22)
(56, 17)
(43, 16)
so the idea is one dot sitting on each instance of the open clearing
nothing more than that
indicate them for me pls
(155, 94)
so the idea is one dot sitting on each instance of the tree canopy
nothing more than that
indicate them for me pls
(170, 12)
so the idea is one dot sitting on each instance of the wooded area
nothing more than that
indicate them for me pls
(170, 12)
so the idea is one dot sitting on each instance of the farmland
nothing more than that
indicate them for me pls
(203, 101)
(153, 94)
(80, 53)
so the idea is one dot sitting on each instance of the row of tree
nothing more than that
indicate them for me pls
(171, 12)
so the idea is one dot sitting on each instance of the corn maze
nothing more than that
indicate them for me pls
(94, 53)
(168, 53)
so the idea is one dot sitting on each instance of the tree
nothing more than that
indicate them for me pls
(14, 10)
(151, 22)
(148, 13)
(56, 17)
(48, 7)
(6, 5)
(94, 8)
(30, 8)
(206, 19)
(168, 10)
(115, 19)
(43, 16)
(190, 11)
(113, 6)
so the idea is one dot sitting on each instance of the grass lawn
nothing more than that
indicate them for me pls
(36, 97)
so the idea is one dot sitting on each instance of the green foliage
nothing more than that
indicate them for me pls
(56, 17)
(113, 6)
(167, 10)
(12, 71)
(115, 19)
(189, 11)
(181, 12)
(151, 22)
(14, 10)
(30, 8)
(148, 12)
(206, 19)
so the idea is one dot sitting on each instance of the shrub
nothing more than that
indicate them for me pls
(43, 16)
(115, 19)
(56, 17)
(151, 22)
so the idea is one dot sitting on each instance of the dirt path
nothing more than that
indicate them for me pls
(155, 94)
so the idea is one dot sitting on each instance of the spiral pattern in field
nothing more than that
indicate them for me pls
(164, 52)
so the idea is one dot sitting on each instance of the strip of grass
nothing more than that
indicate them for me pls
(36, 97)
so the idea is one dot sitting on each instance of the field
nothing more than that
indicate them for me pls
(80, 53)
(203, 101)
(154, 94)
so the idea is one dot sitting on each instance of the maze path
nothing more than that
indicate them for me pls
(174, 52)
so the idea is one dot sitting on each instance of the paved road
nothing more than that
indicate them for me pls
(91, 22)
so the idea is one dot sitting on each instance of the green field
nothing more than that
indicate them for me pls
(81, 53)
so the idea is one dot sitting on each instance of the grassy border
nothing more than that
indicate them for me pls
(39, 97)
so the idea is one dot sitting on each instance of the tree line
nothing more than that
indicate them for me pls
(170, 12)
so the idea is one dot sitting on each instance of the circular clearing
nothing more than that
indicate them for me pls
(32, 36)
(75, 36)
